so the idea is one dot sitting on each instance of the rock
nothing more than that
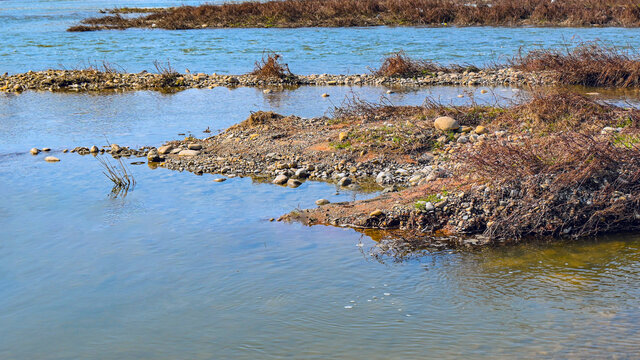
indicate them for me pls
(321, 202)
(266, 91)
(153, 156)
(466, 129)
(163, 150)
(446, 123)
(390, 189)
(343, 136)
(219, 179)
(376, 213)
(415, 179)
(65, 151)
(325, 95)
(383, 177)
(280, 179)
(294, 183)
(344, 181)
(188, 153)
(483, 91)
(46, 149)
(463, 140)
(480, 130)
(115, 148)
(428, 206)
(194, 147)
(34, 151)
(51, 159)
(94, 149)
(390, 92)
(302, 174)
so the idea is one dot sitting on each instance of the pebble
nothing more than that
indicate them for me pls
(46, 149)
(195, 147)
(34, 151)
(325, 95)
(219, 179)
(94, 149)
(162, 150)
(51, 159)
(321, 202)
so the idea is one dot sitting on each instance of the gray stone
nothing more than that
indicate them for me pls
(195, 147)
(344, 181)
(302, 173)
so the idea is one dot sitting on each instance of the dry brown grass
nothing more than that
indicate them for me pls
(554, 110)
(588, 64)
(332, 13)
(269, 67)
(567, 184)
(401, 65)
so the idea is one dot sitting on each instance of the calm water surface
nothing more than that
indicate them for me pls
(186, 268)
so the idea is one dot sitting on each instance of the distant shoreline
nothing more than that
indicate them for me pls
(367, 13)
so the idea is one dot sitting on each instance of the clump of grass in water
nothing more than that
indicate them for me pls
(118, 173)
(269, 67)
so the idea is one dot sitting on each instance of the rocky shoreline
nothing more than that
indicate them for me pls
(560, 165)
(94, 80)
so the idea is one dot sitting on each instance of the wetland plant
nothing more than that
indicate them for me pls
(119, 174)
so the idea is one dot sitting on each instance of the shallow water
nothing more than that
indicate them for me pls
(186, 268)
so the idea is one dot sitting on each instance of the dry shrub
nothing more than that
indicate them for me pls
(401, 65)
(331, 13)
(568, 184)
(588, 64)
(552, 110)
(260, 118)
(168, 75)
(269, 67)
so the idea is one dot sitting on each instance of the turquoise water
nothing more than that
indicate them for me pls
(187, 268)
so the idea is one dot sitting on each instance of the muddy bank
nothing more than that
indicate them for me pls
(94, 80)
(559, 165)
(349, 13)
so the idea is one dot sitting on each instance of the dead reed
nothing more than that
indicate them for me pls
(566, 184)
(119, 174)
(343, 13)
(588, 64)
(269, 67)
(403, 66)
